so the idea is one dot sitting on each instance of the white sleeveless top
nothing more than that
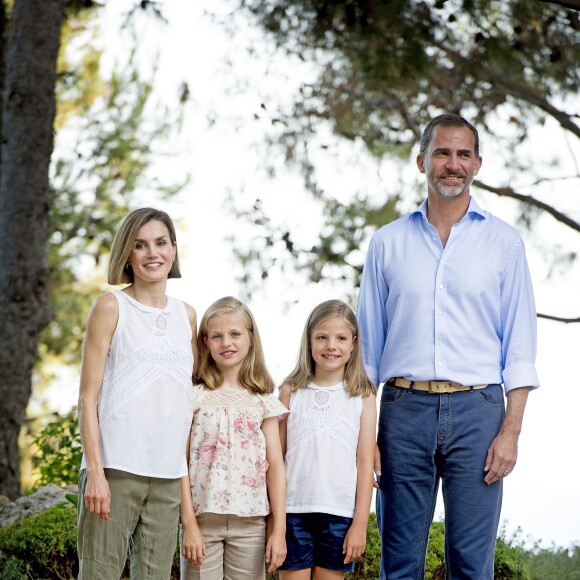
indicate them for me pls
(146, 401)
(321, 445)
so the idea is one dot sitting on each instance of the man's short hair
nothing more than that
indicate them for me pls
(447, 120)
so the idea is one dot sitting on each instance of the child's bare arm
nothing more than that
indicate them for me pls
(276, 483)
(192, 543)
(355, 540)
(284, 397)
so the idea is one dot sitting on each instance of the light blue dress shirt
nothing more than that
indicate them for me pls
(463, 313)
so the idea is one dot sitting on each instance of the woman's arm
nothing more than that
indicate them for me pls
(101, 325)
(276, 484)
(355, 540)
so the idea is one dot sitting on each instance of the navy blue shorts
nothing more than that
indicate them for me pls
(316, 540)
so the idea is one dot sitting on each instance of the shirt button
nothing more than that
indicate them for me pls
(440, 365)
(439, 312)
(440, 285)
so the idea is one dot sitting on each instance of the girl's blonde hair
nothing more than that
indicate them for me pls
(355, 377)
(119, 271)
(253, 373)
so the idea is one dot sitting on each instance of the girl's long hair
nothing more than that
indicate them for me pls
(254, 375)
(355, 377)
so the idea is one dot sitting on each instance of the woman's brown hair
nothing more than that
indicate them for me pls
(119, 271)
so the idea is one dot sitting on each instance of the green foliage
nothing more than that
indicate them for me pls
(435, 561)
(384, 70)
(41, 546)
(509, 558)
(15, 569)
(44, 546)
(59, 450)
(109, 133)
(555, 562)
(509, 561)
(393, 63)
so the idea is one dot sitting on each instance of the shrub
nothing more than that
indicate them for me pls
(435, 561)
(45, 542)
(554, 562)
(510, 558)
(15, 569)
(59, 450)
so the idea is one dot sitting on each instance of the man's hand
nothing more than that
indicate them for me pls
(377, 467)
(501, 457)
(503, 451)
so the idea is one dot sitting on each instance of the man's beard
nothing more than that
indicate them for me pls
(450, 191)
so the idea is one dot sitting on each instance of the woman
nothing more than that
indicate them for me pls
(135, 407)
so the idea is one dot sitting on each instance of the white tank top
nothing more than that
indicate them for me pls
(321, 444)
(146, 400)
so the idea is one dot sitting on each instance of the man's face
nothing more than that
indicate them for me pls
(450, 162)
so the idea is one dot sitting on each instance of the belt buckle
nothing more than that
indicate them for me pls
(438, 386)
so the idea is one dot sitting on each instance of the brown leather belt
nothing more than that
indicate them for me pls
(434, 387)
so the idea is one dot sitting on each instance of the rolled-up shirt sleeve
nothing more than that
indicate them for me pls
(519, 323)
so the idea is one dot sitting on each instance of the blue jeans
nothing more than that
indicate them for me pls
(425, 438)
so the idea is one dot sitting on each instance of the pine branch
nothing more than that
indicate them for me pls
(558, 318)
(521, 91)
(572, 4)
(509, 192)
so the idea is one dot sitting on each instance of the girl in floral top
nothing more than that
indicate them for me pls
(236, 468)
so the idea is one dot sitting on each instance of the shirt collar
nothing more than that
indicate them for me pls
(473, 209)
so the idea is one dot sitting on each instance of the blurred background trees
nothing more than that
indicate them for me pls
(383, 69)
(377, 72)
(56, 226)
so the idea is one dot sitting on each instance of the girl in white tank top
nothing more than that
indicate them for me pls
(328, 441)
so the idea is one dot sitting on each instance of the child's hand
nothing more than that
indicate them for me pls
(354, 542)
(193, 546)
(275, 550)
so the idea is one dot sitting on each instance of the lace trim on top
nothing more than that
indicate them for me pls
(159, 357)
(228, 397)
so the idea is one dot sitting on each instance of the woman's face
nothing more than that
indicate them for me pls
(152, 253)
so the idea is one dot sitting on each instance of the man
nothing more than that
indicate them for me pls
(446, 313)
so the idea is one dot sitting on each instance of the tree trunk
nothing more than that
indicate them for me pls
(28, 110)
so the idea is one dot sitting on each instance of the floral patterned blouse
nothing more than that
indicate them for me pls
(227, 463)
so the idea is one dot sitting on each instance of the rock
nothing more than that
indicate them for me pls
(36, 503)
